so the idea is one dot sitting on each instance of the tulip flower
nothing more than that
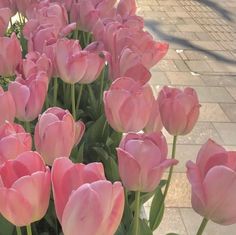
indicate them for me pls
(7, 107)
(56, 133)
(29, 95)
(126, 7)
(24, 189)
(13, 141)
(77, 65)
(213, 180)
(10, 54)
(154, 124)
(142, 160)
(81, 191)
(5, 15)
(179, 109)
(128, 104)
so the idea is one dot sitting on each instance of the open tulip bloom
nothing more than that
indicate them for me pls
(81, 147)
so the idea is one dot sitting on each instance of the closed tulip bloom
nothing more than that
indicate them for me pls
(77, 65)
(29, 95)
(128, 104)
(10, 55)
(142, 160)
(81, 191)
(179, 109)
(56, 133)
(213, 180)
(7, 107)
(5, 15)
(13, 141)
(154, 124)
(24, 189)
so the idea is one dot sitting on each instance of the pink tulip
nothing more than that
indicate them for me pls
(24, 189)
(9, 4)
(81, 191)
(154, 124)
(126, 7)
(77, 65)
(23, 5)
(56, 133)
(5, 15)
(13, 141)
(29, 95)
(179, 109)
(10, 55)
(213, 180)
(142, 161)
(128, 105)
(7, 107)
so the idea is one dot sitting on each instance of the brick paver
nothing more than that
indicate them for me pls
(202, 54)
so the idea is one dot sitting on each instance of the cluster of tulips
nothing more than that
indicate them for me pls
(81, 147)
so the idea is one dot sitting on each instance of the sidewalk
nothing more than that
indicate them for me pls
(202, 54)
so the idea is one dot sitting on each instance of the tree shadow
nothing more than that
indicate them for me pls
(153, 26)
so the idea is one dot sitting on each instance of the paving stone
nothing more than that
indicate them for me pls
(198, 66)
(159, 78)
(227, 132)
(181, 65)
(232, 91)
(230, 111)
(172, 55)
(219, 66)
(192, 222)
(180, 14)
(167, 65)
(190, 28)
(184, 78)
(206, 45)
(212, 112)
(219, 80)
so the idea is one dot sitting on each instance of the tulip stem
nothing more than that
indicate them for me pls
(102, 86)
(73, 100)
(137, 213)
(171, 169)
(18, 231)
(202, 226)
(79, 96)
(27, 127)
(55, 90)
(29, 230)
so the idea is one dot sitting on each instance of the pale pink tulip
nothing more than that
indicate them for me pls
(24, 189)
(179, 109)
(23, 5)
(213, 180)
(13, 141)
(77, 65)
(154, 124)
(29, 95)
(81, 191)
(128, 104)
(126, 7)
(10, 55)
(7, 107)
(142, 161)
(56, 133)
(5, 15)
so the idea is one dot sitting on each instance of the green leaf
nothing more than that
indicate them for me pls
(6, 228)
(157, 209)
(172, 234)
(120, 230)
(80, 157)
(143, 228)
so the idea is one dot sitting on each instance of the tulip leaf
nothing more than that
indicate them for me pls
(172, 234)
(157, 209)
(80, 156)
(6, 228)
(143, 228)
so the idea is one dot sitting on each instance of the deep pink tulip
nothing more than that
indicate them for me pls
(29, 95)
(56, 133)
(81, 191)
(9, 4)
(128, 105)
(13, 141)
(213, 180)
(10, 55)
(142, 161)
(5, 15)
(179, 109)
(154, 124)
(7, 107)
(24, 189)
(77, 65)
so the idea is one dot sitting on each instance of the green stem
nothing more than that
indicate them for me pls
(55, 91)
(79, 96)
(27, 127)
(92, 96)
(29, 230)
(18, 231)
(137, 213)
(202, 226)
(102, 85)
(73, 100)
(171, 169)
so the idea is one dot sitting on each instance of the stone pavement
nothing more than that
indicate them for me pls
(202, 54)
